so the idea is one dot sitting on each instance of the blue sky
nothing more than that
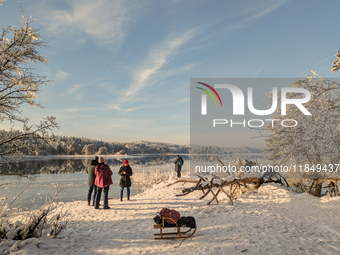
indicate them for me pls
(121, 69)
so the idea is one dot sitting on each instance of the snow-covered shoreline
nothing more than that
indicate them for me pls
(270, 220)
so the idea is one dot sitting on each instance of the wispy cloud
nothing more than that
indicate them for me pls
(84, 109)
(132, 109)
(309, 69)
(177, 70)
(257, 72)
(262, 11)
(75, 90)
(102, 20)
(157, 58)
(122, 109)
(61, 75)
(184, 100)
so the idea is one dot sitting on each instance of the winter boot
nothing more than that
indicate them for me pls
(128, 197)
(121, 198)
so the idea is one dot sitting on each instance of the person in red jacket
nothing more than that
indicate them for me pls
(103, 181)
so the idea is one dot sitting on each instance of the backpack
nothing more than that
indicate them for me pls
(188, 222)
(174, 215)
(180, 162)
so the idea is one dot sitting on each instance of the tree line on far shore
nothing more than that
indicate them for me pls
(69, 145)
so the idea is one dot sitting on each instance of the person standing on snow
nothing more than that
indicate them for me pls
(103, 181)
(125, 172)
(178, 165)
(90, 180)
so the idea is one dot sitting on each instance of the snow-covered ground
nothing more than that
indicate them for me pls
(270, 220)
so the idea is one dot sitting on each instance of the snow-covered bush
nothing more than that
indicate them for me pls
(58, 223)
(32, 224)
(147, 178)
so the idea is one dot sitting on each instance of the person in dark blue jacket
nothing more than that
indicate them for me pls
(178, 165)
(90, 180)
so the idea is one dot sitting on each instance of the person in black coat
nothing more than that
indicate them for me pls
(178, 165)
(125, 172)
(90, 180)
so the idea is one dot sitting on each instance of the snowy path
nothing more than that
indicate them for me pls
(268, 221)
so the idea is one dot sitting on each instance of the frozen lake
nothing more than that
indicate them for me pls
(69, 174)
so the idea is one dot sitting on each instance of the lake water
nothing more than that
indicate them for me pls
(69, 175)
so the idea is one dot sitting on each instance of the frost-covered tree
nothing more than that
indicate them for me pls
(20, 86)
(336, 63)
(88, 149)
(316, 138)
(121, 152)
(103, 151)
(71, 147)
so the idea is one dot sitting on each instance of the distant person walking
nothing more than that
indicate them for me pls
(90, 180)
(103, 181)
(178, 165)
(125, 172)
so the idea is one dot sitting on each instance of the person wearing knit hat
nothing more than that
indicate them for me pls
(103, 181)
(125, 172)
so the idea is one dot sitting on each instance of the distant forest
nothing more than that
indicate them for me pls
(69, 145)
(223, 150)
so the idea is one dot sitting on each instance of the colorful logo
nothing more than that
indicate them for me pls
(239, 99)
(208, 92)
(204, 97)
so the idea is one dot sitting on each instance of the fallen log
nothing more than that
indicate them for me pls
(206, 185)
(228, 182)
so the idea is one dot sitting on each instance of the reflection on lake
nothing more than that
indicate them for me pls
(53, 165)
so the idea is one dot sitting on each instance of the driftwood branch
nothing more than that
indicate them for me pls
(184, 182)
(231, 200)
(236, 184)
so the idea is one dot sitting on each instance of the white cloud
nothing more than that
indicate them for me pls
(177, 70)
(156, 59)
(114, 106)
(61, 75)
(184, 100)
(101, 20)
(132, 109)
(262, 10)
(75, 90)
